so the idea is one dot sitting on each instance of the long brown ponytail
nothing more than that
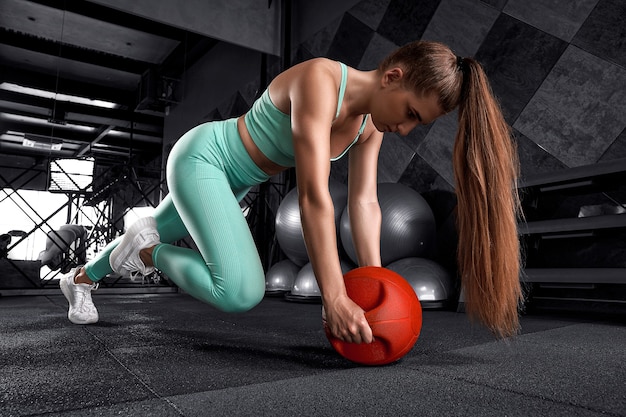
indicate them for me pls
(486, 169)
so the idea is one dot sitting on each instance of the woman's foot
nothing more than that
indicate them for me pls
(77, 291)
(127, 256)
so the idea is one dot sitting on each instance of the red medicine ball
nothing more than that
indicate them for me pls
(392, 310)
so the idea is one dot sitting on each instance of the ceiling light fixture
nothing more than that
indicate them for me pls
(48, 146)
(16, 88)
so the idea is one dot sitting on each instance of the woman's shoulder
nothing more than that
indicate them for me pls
(317, 63)
(317, 74)
(314, 67)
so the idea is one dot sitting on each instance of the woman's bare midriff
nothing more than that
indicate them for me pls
(262, 161)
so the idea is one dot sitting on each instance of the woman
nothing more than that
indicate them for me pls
(309, 115)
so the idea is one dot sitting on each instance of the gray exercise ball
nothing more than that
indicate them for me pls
(432, 283)
(288, 225)
(281, 276)
(305, 285)
(408, 226)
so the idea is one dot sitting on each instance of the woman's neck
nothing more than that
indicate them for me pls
(359, 90)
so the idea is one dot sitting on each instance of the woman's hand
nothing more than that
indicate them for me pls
(346, 321)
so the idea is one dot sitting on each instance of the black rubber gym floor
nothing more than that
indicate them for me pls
(170, 355)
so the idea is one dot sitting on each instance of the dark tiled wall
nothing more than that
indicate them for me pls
(558, 68)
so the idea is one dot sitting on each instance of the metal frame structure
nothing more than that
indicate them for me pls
(119, 187)
(123, 188)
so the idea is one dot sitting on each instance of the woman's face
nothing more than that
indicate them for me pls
(396, 109)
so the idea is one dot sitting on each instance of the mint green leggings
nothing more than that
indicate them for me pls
(208, 173)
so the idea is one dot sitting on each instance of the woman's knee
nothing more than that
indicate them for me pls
(231, 292)
(240, 305)
(243, 300)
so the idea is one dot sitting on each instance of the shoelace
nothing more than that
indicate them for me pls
(135, 275)
(145, 278)
(85, 302)
(135, 265)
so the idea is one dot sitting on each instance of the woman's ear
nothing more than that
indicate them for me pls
(392, 75)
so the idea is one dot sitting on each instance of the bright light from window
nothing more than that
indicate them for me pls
(18, 213)
(135, 214)
(57, 96)
(71, 175)
(22, 210)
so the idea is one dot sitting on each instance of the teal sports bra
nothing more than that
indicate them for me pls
(270, 128)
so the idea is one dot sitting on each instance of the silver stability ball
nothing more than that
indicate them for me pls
(305, 287)
(432, 283)
(288, 225)
(408, 226)
(280, 277)
(305, 284)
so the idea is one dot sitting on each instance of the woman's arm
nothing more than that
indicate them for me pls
(363, 206)
(313, 96)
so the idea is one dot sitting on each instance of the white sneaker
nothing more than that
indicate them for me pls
(125, 257)
(82, 310)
